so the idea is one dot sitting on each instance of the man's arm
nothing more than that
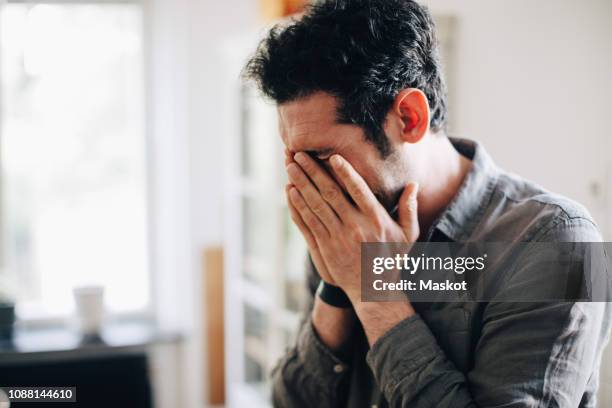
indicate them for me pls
(311, 371)
(550, 367)
(529, 354)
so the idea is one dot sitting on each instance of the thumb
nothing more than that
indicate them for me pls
(408, 214)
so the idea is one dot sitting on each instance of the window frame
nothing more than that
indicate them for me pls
(148, 312)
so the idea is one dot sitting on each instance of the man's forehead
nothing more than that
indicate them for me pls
(305, 123)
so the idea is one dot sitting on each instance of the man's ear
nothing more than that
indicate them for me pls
(411, 110)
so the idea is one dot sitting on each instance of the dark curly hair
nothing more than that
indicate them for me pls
(363, 52)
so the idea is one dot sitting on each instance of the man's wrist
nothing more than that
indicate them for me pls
(333, 295)
(333, 325)
(377, 318)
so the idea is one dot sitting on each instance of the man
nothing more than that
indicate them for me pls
(362, 112)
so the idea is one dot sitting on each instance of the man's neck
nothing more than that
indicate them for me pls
(440, 184)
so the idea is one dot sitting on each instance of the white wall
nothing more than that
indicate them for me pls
(533, 84)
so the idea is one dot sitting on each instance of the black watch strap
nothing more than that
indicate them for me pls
(333, 295)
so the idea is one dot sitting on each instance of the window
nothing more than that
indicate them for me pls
(73, 154)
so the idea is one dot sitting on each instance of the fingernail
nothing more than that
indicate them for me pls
(292, 170)
(300, 158)
(415, 188)
(335, 160)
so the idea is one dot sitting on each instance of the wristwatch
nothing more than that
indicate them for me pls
(333, 295)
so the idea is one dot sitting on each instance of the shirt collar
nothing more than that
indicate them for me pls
(466, 209)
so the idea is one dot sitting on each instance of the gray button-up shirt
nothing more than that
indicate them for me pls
(476, 354)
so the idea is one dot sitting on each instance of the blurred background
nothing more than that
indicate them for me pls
(146, 248)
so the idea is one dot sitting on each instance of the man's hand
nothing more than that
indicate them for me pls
(333, 325)
(313, 248)
(338, 226)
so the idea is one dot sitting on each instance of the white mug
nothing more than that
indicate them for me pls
(4, 399)
(89, 302)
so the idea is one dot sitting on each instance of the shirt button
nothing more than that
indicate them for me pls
(338, 368)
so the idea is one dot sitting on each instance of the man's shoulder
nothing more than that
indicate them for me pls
(521, 210)
(529, 196)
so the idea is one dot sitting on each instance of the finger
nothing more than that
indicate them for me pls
(297, 220)
(312, 197)
(328, 188)
(288, 157)
(408, 216)
(310, 219)
(356, 186)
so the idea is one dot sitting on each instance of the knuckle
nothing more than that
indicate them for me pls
(299, 182)
(411, 205)
(318, 207)
(330, 194)
(358, 193)
(318, 229)
(299, 205)
(310, 219)
(413, 209)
